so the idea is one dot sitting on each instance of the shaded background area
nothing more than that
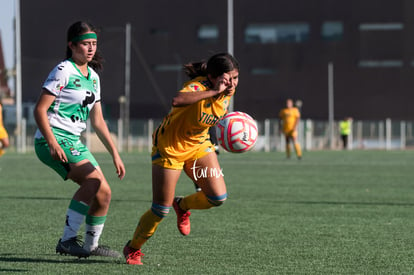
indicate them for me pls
(370, 43)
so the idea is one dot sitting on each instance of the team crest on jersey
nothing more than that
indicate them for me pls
(195, 87)
(59, 87)
(74, 152)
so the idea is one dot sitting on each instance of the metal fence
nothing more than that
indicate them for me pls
(312, 134)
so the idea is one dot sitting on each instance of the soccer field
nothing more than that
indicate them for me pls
(333, 212)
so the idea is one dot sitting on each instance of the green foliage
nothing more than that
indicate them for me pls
(333, 212)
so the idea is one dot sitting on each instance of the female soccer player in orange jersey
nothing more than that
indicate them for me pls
(290, 117)
(4, 137)
(182, 142)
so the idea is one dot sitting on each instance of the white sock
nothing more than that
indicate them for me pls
(74, 220)
(92, 235)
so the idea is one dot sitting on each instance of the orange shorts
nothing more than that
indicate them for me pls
(290, 133)
(3, 133)
(177, 161)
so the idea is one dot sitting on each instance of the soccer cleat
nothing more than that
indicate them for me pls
(73, 247)
(132, 255)
(105, 252)
(183, 217)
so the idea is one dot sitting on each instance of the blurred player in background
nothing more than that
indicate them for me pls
(289, 118)
(70, 95)
(182, 142)
(4, 137)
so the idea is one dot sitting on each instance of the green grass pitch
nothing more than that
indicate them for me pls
(333, 212)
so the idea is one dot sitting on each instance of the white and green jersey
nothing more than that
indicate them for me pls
(75, 97)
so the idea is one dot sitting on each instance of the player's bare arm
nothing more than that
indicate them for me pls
(40, 114)
(186, 98)
(221, 84)
(102, 131)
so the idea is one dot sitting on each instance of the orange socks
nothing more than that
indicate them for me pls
(145, 229)
(195, 201)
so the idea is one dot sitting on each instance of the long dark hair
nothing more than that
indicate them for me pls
(217, 65)
(77, 29)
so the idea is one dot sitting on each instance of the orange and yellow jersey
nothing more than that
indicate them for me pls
(3, 132)
(289, 116)
(185, 129)
(1, 115)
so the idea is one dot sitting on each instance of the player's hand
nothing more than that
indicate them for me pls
(230, 89)
(120, 167)
(222, 83)
(57, 153)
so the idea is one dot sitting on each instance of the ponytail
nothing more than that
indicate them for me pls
(217, 65)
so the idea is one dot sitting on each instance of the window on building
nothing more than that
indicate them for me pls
(381, 26)
(159, 32)
(332, 31)
(168, 67)
(277, 33)
(208, 33)
(381, 45)
(381, 63)
(263, 71)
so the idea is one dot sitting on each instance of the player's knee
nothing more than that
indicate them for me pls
(96, 186)
(105, 192)
(217, 200)
(160, 210)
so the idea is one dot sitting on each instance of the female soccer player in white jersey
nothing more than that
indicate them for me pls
(70, 95)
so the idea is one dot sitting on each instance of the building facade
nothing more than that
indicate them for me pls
(284, 48)
(4, 87)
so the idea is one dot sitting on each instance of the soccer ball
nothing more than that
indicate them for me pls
(237, 132)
